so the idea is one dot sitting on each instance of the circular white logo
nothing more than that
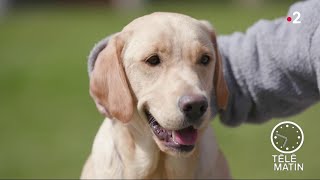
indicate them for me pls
(287, 137)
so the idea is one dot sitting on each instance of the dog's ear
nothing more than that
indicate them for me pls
(108, 83)
(220, 85)
(221, 88)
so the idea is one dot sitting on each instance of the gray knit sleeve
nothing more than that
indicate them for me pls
(273, 69)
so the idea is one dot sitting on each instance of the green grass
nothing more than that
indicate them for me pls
(47, 119)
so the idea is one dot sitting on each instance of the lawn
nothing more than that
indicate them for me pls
(47, 119)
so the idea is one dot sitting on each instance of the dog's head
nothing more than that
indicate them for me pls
(165, 66)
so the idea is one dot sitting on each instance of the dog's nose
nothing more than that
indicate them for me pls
(193, 106)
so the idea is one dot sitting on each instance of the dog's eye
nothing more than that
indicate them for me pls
(205, 59)
(153, 60)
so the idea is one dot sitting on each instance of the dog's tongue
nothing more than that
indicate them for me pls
(186, 136)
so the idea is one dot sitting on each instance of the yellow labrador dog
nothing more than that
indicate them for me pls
(154, 82)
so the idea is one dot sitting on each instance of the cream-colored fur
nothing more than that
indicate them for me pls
(123, 86)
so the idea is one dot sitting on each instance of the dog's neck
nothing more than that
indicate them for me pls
(136, 155)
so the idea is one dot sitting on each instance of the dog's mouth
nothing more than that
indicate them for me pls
(181, 140)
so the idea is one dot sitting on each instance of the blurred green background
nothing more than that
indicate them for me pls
(47, 119)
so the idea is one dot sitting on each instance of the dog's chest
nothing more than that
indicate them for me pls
(170, 167)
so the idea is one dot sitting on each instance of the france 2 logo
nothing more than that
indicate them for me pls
(296, 16)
